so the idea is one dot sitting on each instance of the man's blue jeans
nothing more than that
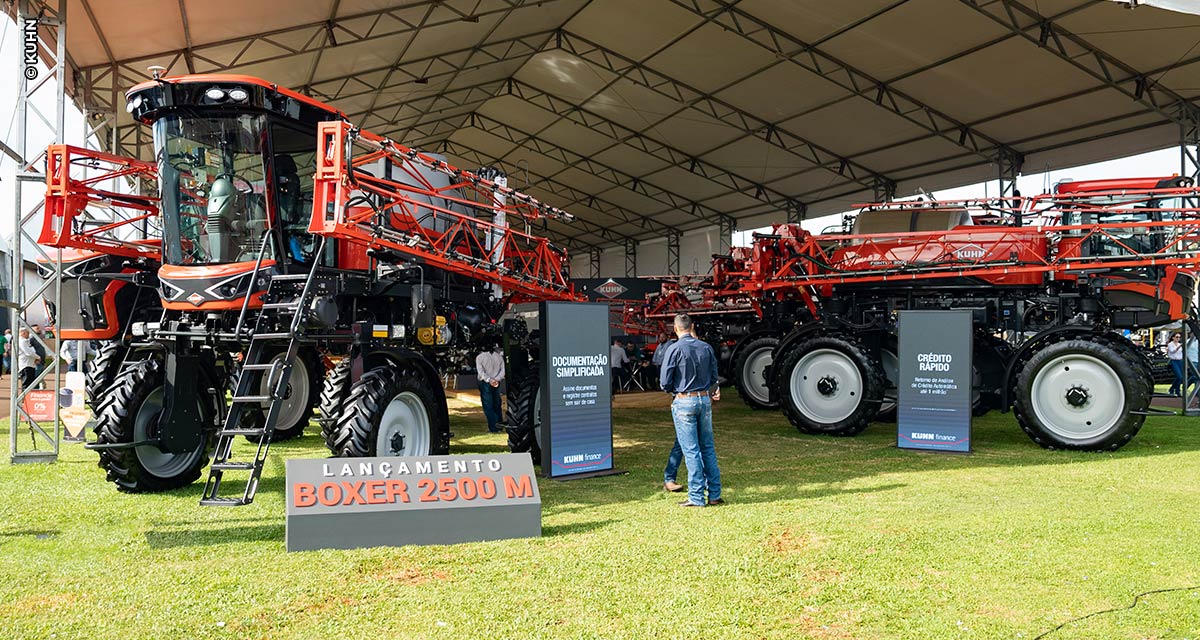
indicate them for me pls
(673, 461)
(694, 430)
(489, 396)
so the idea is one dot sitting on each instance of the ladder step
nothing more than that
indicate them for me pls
(270, 336)
(223, 502)
(289, 277)
(257, 367)
(232, 466)
(280, 305)
(242, 432)
(252, 398)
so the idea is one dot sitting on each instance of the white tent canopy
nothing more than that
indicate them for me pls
(648, 118)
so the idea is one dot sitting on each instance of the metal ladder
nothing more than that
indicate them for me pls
(278, 372)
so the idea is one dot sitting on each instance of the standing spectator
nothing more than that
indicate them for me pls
(1193, 370)
(671, 472)
(1175, 356)
(37, 339)
(8, 348)
(70, 353)
(489, 367)
(690, 372)
(617, 359)
(27, 359)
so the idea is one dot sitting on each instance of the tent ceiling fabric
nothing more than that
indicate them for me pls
(650, 117)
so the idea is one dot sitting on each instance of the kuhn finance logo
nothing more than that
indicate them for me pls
(611, 289)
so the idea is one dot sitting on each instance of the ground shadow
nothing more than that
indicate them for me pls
(207, 537)
(575, 527)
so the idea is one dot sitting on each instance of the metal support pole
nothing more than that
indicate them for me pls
(673, 252)
(884, 190)
(1189, 141)
(594, 263)
(40, 28)
(725, 234)
(630, 257)
(796, 211)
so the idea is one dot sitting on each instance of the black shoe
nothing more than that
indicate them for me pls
(716, 503)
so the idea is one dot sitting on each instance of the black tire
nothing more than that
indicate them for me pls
(524, 419)
(748, 367)
(843, 399)
(293, 420)
(889, 365)
(334, 392)
(103, 370)
(421, 412)
(127, 414)
(1047, 394)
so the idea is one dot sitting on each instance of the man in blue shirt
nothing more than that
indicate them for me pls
(689, 371)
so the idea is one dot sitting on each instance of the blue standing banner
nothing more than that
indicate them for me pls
(935, 381)
(577, 437)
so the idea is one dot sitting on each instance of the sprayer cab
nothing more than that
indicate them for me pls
(235, 159)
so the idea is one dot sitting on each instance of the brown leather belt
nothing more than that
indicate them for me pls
(691, 394)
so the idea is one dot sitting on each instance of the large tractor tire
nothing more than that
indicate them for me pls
(749, 372)
(889, 362)
(298, 399)
(129, 413)
(103, 370)
(1082, 394)
(334, 392)
(525, 415)
(829, 385)
(393, 410)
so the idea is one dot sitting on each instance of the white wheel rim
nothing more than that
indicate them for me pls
(754, 379)
(826, 386)
(891, 372)
(296, 396)
(404, 427)
(1077, 396)
(163, 464)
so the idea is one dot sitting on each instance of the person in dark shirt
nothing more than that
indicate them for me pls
(689, 371)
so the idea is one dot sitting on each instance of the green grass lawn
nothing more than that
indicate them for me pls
(823, 538)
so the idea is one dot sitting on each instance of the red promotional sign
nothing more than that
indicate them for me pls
(39, 404)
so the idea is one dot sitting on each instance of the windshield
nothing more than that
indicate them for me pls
(213, 186)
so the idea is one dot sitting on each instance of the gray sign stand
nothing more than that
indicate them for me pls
(348, 503)
(936, 377)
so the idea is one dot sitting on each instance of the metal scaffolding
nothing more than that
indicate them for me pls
(43, 42)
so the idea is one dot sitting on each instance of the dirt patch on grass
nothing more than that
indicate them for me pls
(410, 576)
(788, 541)
(43, 602)
(821, 627)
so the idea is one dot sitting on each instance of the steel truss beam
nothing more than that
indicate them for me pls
(44, 28)
(725, 232)
(738, 119)
(409, 17)
(671, 200)
(1023, 21)
(792, 50)
(594, 263)
(673, 253)
(623, 135)
(631, 258)
(561, 190)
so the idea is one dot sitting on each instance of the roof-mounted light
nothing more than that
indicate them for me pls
(239, 94)
(215, 93)
(133, 104)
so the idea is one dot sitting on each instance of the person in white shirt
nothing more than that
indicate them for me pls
(70, 353)
(617, 359)
(27, 359)
(489, 368)
(1175, 356)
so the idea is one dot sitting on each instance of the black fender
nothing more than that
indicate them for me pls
(1032, 345)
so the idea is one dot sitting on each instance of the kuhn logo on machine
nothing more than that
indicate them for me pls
(970, 252)
(611, 289)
